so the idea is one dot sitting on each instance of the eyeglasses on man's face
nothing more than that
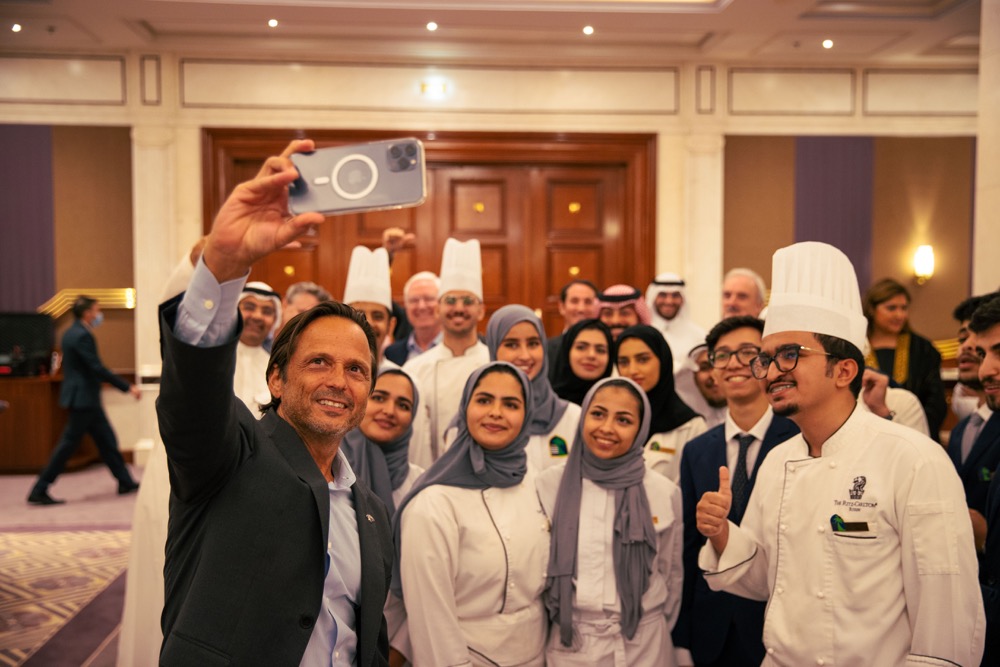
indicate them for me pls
(467, 301)
(786, 358)
(744, 355)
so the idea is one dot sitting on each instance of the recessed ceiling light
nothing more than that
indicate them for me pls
(588, 30)
(827, 43)
(16, 27)
(272, 23)
(432, 26)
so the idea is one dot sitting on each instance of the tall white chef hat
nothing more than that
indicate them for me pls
(462, 267)
(368, 277)
(814, 288)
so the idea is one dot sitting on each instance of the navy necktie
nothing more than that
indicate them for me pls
(741, 480)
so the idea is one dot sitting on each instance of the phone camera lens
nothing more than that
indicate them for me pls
(403, 163)
(395, 151)
(411, 150)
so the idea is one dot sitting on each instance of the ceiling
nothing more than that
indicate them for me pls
(543, 33)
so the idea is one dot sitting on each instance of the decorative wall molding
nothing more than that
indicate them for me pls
(905, 92)
(791, 92)
(62, 79)
(704, 84)
(229, 84)
(150, 80)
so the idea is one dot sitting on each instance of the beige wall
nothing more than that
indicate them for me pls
(92, 189)
(759, 201)
(923, 195)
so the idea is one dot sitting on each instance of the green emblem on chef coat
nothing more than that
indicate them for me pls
(654, 446)
(557, 446)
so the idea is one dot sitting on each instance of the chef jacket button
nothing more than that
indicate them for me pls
(819, 528)
(820, 661)
(833, 464)
(783, 527)
(306, 621)
(208, 304)
(770, 651)
(780, 590)
(791, 468)
(820, 594)
(507, 537)
(512, 585)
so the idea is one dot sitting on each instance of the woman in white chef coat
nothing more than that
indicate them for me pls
(378, 451)
(516, 335)
(615, 565)
(473, 539)
(644, 357)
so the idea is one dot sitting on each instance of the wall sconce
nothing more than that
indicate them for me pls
(923, 264)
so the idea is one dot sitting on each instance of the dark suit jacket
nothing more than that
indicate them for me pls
(552, 353)
(989, 575)
(249, 512)
(706, 616)
(396, 352)
(83, 371)
(982, 462)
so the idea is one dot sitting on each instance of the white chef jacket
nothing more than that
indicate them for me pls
(906, 405)
(473, 566)
(440, 378)
(548, 449)
(596, 606)
(395, 610)
(250, 378)
(663, 450)
(897, 585)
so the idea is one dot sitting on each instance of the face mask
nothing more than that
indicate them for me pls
(97, 320)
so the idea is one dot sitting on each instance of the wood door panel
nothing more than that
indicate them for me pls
(575, 209)
(478, 207)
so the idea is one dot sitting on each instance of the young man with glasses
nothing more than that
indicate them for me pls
(856, 533)
(441, 372)
(719, 628)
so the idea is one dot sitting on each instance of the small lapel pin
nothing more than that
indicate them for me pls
(371, 519)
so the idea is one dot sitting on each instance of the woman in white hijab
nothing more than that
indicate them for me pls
(615, 569)
(472, 538)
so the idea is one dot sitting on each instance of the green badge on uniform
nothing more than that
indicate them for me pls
(985, 474)
(654, 446)
(557, 446)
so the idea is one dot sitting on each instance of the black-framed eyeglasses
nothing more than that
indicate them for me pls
(786, 358)
(744, 355)
(467, 301)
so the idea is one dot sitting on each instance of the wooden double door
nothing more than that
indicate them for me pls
(545, 208)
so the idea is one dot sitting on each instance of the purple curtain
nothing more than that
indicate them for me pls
(27, 236)
(833, 196)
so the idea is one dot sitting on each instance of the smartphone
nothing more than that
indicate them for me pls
(361, 177)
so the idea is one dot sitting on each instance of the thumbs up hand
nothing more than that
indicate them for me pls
(712, 512)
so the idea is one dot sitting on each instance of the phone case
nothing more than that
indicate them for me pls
(361, 177)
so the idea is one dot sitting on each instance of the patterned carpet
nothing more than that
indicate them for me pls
(47, 578)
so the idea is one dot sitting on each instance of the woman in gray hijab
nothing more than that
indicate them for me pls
(378, 453)
(473, 540)
(516, 335)
(615, 572)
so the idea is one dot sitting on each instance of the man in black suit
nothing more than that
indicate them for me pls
(985, 325)
(83, 374)
(276, 555)
(974, 443)
(720, 629)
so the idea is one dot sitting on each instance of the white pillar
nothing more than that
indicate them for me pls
(986, 229)
(155, 253)
(704, 171)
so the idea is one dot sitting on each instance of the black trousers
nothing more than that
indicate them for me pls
(81, 422)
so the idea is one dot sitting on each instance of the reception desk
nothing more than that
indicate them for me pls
(31, 425)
